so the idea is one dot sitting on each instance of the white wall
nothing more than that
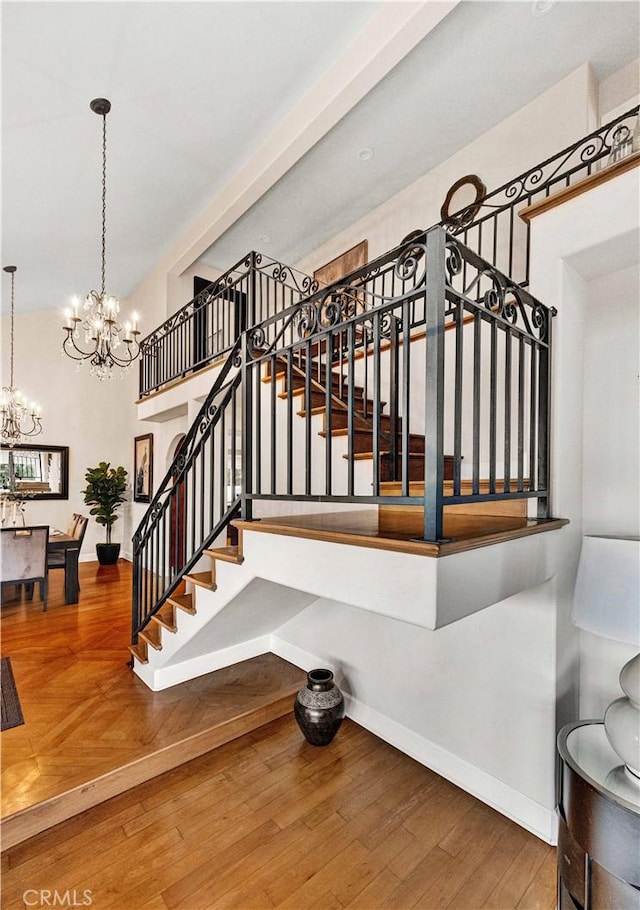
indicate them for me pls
(620, 92)
(546, 125)
(585, 262)
(611, 453)
(97, 420)
(477, 694)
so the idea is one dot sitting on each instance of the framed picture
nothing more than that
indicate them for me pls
(143, 468)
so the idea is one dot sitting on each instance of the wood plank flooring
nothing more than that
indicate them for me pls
(90, 720)
(262, 821)
(269, 821)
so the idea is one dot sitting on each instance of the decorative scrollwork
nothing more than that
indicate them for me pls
(407, 263)
(332, 309)
(386, 324)
(453, 260)
(540, 320)
(310, 285)
(306, 317)
(206, 418)
(256, 342)
(280, 273)
(155, 512)
(493, 301)
(510, 311)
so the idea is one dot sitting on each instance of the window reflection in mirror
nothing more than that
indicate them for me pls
(38, 471)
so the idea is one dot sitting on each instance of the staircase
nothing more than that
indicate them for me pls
(166, 620)
(363, 373)
(333, 383)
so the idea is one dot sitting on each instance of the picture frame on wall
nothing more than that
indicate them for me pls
(143, 468)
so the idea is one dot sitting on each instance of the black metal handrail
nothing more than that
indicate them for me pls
(492, 226)
(208, 326)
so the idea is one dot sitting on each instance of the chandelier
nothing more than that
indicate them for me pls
(95, 334)
(19, 418)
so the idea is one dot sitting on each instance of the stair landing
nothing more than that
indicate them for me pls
(400, 530)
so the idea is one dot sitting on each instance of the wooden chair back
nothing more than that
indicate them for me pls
(80, 529)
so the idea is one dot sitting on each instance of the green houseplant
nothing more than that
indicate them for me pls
(105, 492)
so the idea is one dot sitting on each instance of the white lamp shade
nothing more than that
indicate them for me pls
(606, 600)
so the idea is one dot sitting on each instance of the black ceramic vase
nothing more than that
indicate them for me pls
(319, 708)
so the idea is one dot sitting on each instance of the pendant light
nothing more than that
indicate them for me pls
(19, 417)
(96, 334)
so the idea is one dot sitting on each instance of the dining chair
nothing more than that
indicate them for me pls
(23, 559)
(77, 528)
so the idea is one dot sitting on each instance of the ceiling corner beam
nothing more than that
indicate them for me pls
(385, 40)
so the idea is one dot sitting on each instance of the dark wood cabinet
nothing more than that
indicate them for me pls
(598, 825)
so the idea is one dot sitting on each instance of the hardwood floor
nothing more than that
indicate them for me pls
(262, 821)
(268, 821)
(92, 727)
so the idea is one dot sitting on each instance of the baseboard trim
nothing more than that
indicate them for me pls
(165, 677)
(505, 799)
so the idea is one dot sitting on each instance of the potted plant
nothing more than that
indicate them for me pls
(105, 492)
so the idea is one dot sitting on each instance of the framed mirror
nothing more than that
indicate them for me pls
(41, 472)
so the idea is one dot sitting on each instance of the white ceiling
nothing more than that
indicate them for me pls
(196, 87)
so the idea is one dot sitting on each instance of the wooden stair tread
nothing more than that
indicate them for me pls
(183, 602)
(202, 579)
(139, 651)
(363, 456)
(227, 554)
(166, 617)
(152, 635)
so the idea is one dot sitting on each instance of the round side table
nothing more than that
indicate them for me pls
(598, 824)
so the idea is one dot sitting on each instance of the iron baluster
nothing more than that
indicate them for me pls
(434, 385)
(393, 401)
(477, 399)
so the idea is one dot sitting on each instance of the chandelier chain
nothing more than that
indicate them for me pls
(12, 317)
(104, 199)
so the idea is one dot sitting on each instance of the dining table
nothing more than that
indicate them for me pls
(58, 542)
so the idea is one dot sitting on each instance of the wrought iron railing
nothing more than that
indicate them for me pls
(196, 499)
(414, 397)
(257, 287)
(493, 226)
(402, 400)
(209, 325)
